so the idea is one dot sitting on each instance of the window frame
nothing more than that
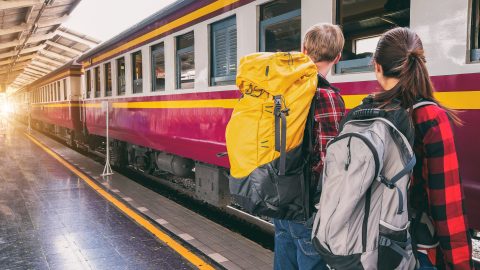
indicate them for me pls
(88, 80)
(59, 91)
(97, 82)
(474, 42)
(263, 24)
(121, 92)
(107, 76)
(133, 64)
(65, 92)
(359, 68)
(225, 23)
(152, 66)
(178, 54)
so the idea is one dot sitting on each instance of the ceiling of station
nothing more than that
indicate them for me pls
(32, 41)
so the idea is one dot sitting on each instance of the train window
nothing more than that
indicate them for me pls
(475, 34)
(54, 91)
(121, 76)
(185, 59)
(65, 89)
(158, 67)
(224, 52)
(137, 72)
(59, 91)
(88, 83)
(96, 72)
(363, 22)
(108, 79)
(280, 29)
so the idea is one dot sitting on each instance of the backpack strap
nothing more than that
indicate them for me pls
(280, 132)
(396, 246)
(390, 183)
(423, 103)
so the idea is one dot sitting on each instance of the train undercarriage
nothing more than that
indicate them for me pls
(204, 182)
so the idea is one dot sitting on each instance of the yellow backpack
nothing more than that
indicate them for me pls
(265, 133)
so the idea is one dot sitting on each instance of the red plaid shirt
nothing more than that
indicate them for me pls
(437, 171)
(329, 111)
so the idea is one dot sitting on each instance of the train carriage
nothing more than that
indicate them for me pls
(55, 104)
(170, 79)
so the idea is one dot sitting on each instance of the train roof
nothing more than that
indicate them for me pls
(138, 28)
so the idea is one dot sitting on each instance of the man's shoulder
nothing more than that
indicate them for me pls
(328, 92)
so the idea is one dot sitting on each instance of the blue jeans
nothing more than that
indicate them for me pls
(424, 262)
(294, 248)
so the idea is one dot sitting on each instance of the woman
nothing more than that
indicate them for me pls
(436, 192)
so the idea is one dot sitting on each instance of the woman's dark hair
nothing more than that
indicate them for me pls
(400, 53)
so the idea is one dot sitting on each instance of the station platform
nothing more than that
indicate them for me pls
(57, 212)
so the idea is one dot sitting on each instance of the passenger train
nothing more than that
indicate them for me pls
(170, 79)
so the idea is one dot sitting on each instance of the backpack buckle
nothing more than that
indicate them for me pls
(285, 111)
(387, 183)
(383, 241)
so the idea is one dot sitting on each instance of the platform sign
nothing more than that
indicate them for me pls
(105, 106)
(107, 170)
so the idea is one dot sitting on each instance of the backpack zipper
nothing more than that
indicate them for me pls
(349, 154)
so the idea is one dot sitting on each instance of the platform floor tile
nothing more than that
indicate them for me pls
(50, 219)
(209, 237)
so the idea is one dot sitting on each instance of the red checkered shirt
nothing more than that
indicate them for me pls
(438, 174)
(329, 111)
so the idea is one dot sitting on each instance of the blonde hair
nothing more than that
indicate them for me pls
(323, 42)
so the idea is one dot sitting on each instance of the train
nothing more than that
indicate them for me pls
(168, 82)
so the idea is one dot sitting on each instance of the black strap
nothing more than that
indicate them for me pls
(280, 132)
(276, 112)
(396, 246)
(283, 148)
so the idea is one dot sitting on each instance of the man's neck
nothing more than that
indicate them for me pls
(324, 67)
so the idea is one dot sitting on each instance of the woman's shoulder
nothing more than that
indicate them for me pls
(430, 115)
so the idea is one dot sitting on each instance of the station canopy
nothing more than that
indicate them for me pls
(33, 42)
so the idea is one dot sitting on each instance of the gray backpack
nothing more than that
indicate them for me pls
(362, 220)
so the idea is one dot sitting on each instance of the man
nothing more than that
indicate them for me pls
(323, 43)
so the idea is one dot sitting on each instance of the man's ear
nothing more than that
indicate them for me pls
(337, 59)
(304, 51)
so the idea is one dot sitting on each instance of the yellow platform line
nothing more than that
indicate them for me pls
(184, 252)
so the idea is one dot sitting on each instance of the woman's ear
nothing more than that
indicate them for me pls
(378, 68)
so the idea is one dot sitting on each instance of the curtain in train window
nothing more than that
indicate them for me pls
(475, 34)
(223, 64)
(88, 83)
(137, 72)
(185, 59)
(97, 81)
(108, 79)
(280, 26)
(363, 22)
(121, 76)
(158, 67)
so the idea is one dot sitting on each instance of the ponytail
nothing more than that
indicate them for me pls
(400, 53)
